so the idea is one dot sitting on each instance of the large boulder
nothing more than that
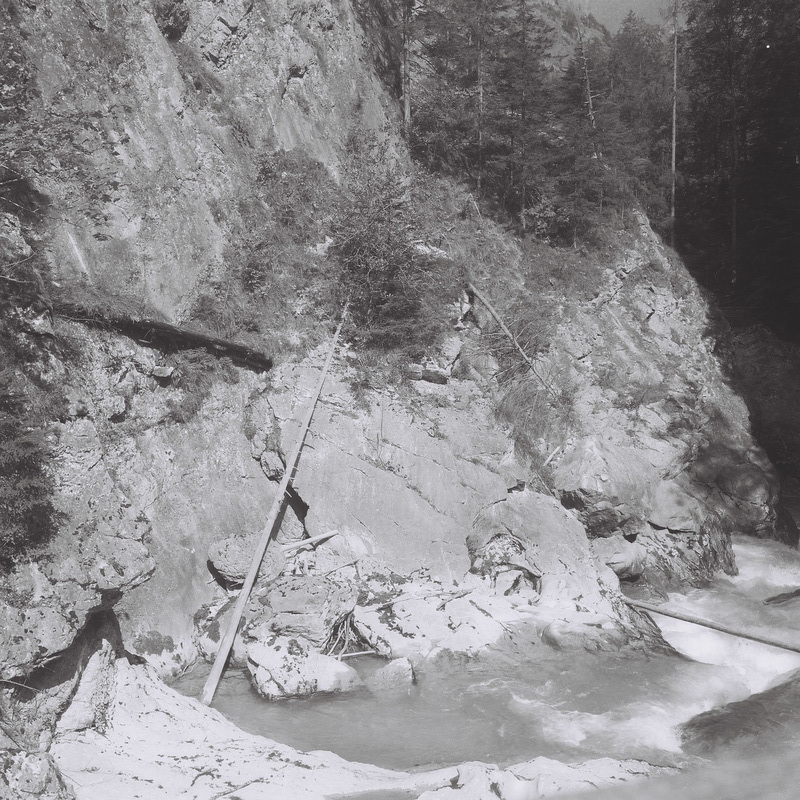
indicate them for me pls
(610, 486)
(232, 556)
(677, 508)
(308, 607)
(423, 617)
(686, 540)
(396, 676)
(742, 484)
(554, 544)
(288, 667)
(627, 559)
(761, 724)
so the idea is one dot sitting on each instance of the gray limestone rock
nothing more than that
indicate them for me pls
(31, 776)
(307, 607)
(233, 555)
(13, 246)
(610, 486)
(676, 508)
(396, 676)
(627, 559)
(285, 666)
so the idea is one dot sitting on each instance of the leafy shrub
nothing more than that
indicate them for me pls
(394, 282)
(299, 191)
(28, 518)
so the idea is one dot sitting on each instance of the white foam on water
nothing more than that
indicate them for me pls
(765, 564)
(766, 568)
(569, 706)
(644, 705)
(757, 665)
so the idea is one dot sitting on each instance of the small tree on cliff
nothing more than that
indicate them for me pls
(373, 232)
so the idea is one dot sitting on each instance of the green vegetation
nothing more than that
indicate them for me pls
(487, 108)
(28, 403)
(566, 155)
(395, 283)
(196, 372)
(741, 150)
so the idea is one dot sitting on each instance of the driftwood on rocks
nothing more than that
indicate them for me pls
(162, 335)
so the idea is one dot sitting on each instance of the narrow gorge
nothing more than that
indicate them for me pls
(520, 437)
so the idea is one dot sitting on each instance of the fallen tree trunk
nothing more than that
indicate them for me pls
(715, 626)
(162, 335)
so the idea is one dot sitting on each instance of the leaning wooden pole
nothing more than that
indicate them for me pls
(753, 637)
(226, 643)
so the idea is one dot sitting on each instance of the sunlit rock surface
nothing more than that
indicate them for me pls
(31, 776)
(283, 667)
(405, 475)
(308, 607)
(541, 777)
(159, 745)
(397, 676)
(170, 127)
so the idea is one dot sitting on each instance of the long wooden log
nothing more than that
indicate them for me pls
(226, 643)
(715, 626)
(154, 333)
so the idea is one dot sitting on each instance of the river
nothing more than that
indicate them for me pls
(571, 707)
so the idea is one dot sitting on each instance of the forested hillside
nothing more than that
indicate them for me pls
(560, 146)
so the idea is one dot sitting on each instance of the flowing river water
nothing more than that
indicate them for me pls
(566, 706)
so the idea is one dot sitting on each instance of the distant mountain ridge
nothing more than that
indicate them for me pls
(611, 12)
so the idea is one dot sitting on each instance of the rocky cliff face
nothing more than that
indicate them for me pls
(452, 534)
(149, 137)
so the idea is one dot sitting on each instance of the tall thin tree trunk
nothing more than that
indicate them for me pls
(674, 119)
(734, 156)
(523, 117)
(589, 100)
(480, 112)
(734, 189)
(407, 9)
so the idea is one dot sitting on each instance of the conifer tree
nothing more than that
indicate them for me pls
(744, 80)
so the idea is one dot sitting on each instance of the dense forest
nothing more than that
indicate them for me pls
(564, 150)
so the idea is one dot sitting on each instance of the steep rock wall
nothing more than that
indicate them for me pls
(168, 134)
(148, 146)
(657, 446)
